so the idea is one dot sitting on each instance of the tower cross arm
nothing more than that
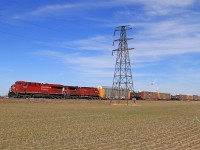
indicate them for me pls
(126, 27)
(122, 39)
(123, 49)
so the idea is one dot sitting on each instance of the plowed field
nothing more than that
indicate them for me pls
(46, 124)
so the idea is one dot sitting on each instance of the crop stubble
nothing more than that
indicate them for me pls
(45, 124)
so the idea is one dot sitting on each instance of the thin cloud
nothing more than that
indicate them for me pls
(169, 28)
(102, 61)
(152, 7)
(98, 66)
(158, 7)
(46, 10)
(153, 42)
(94, 66)
(51, 8)
(94, 43)
(156, 39)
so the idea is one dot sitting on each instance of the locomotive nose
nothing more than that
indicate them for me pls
(12, 87)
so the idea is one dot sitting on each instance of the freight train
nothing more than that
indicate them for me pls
(23, 89)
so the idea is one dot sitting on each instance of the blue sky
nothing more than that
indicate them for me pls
(70, 42)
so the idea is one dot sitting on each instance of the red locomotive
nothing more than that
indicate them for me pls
(22, 89)
(75, 92)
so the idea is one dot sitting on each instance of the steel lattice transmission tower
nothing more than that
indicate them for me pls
(122, 81)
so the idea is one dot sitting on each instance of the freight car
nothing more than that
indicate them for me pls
(105, 93)
(196, 98)
(145, 95)
(182, 97)
(163, 96)
(190, 97)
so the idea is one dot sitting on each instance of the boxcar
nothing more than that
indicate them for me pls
(145, 95)
(182, 97)
(163, 96)
(105, 93)
(189, 97)
(196, 98)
